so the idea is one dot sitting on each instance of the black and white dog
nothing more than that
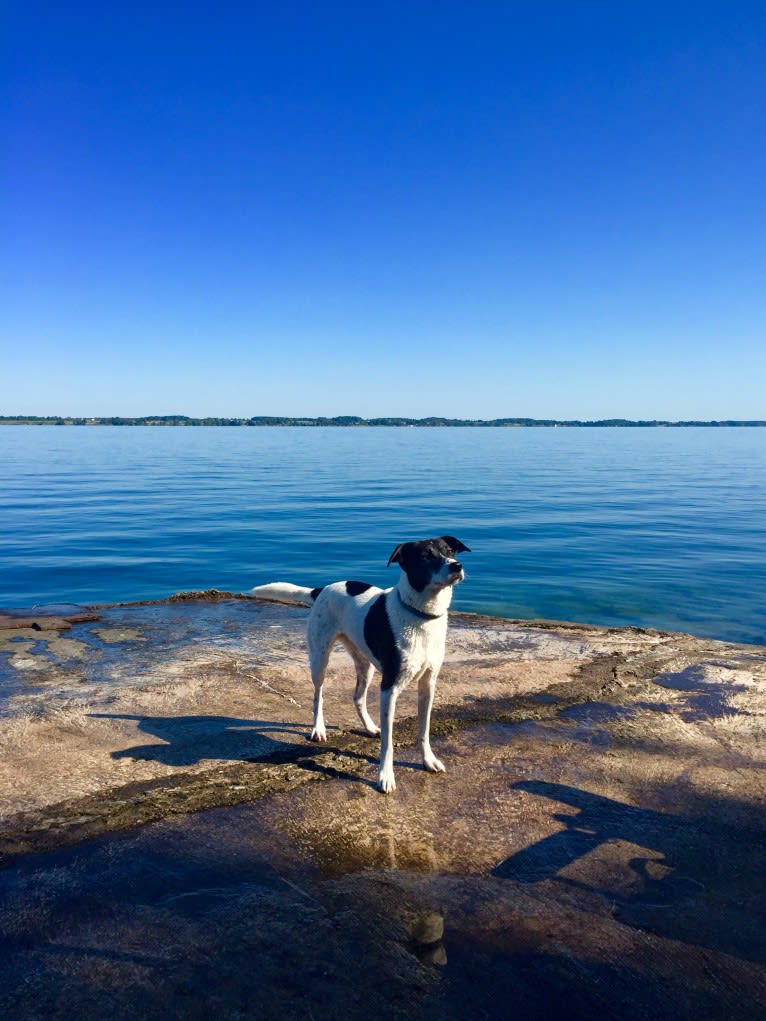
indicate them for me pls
(400, 631)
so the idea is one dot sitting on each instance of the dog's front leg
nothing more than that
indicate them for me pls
(386, 782)
(426, 691)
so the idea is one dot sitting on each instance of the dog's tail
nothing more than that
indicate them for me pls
(284, 592)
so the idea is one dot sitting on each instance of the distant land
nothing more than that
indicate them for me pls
(356, 421)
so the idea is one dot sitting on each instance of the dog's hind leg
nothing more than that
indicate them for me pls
(426, 691)
(364, 673)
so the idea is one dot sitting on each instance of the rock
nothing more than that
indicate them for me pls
(428, 928)
(598, 842)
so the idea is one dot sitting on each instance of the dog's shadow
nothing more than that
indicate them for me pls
(189, 740)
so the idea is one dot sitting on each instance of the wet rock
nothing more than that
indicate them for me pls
(50, 618)
(112, 635)
(598, 842)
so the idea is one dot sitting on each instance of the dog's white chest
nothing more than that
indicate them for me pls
(421, 644)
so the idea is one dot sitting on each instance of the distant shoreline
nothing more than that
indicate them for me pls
(353, 421)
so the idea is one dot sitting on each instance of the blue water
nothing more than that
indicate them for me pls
(657, 527)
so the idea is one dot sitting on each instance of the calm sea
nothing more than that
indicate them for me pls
(652, 526)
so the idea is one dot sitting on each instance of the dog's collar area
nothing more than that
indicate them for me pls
(418, 613)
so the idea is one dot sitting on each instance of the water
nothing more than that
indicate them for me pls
(657, 527)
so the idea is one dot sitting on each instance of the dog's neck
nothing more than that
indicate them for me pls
(433, 604)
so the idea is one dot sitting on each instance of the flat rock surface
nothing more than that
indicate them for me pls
(174, 846)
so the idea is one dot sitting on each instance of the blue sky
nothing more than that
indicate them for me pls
(463, 209)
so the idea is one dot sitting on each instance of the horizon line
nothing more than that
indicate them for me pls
(345, 421)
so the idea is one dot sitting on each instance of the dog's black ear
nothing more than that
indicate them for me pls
(455, 544)
(396, 556)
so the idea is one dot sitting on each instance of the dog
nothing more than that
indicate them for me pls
(399, 631)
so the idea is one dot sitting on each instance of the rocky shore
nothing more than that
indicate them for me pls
(172, 845)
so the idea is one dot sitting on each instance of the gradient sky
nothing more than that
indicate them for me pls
(463, 209)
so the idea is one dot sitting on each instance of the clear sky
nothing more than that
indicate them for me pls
(322, 208)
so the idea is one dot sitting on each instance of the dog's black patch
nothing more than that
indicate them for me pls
(315, 592)
(420, 569)
(455, 544)
(421, 560)
(356, 588)
(381, 642)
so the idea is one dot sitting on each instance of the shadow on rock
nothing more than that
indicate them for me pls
(691, 878)
(708, 690)
(190, 739)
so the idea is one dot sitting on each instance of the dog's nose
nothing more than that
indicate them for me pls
(455, 567)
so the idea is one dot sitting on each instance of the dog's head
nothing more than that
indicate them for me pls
(430, 563)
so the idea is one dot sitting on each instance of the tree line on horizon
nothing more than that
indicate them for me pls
(355, 420)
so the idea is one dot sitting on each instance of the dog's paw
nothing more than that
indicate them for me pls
(372, 731)
(434, 765)
(319, 734)
(386, 783)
